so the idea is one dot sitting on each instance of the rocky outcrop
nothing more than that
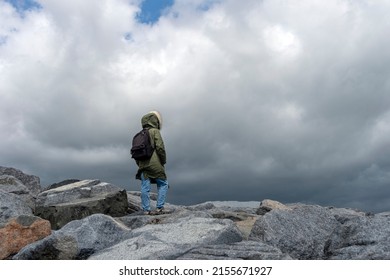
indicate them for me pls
(21, 231)
(11, 205)
(54, 247)
(300, 231)
(79, 200)
(267, 205)
(60, 184)
(10, 184)
(96, 220)
(32, 182)
(77, 240)
(245, 250)
(360, 237)
(171, 240)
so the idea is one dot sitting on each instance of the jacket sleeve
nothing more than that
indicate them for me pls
(159, 146)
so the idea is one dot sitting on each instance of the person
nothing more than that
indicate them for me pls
(152, 171)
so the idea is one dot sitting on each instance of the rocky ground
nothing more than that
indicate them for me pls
(90, 219)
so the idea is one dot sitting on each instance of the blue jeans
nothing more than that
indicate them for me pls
(162, 189)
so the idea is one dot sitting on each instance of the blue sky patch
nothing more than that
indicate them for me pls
(24, 5)
(151, 10)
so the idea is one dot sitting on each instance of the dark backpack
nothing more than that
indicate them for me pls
(142, 148)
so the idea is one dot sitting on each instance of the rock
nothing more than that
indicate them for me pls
(11, 206)
(201, 207)
(229, 206)
(243, 214)
(344, 214)
(134, 221)
(80, 239)
(245, 250)
(53, 247)
(79, 200)
(243, 220)
(301, 231)
(94, 233)
(171, 240)
(384, 214)
(21, 231)
(30, 181)
(142, 247)
(268, 205)
(361, 238)
(62, 183)
(10, 184)
(99, 221)
(246, 226)
(134, 201)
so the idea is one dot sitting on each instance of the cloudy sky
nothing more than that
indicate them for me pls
(284, 100)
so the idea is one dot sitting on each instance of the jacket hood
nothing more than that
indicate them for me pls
(152, 119)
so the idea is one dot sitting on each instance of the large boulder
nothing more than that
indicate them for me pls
(267, 205)
(62, 183)
(54, 247)
(245, 250)
(361, 238)
(30, 181)
(77, 240)
(10, 184)
(300, 231)
(11, 205)
(79, 200)
(21, 231)
(173, 239)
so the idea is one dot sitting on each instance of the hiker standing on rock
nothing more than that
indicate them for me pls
(151, 164)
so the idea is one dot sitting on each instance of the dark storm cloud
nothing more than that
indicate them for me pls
(260, 99)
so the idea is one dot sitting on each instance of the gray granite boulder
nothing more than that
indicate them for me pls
(360, 238)
(11, 205)
(245, 250)
(77, 240)
(13, 185)
(30, 181)
(267, 205)
(79, 200)
(54, 247)
(300, 231)
(171, 240)
(62, 183)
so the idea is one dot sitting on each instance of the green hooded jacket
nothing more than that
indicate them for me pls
(153, 168)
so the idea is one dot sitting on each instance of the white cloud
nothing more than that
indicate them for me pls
(282, 42)
(280, 92)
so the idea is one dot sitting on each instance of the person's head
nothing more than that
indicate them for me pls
(152, 119)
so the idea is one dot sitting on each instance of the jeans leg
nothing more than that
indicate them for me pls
(145, 190)
(162, 189)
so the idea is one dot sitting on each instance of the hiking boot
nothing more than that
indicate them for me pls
(147, 212)
(160, 210)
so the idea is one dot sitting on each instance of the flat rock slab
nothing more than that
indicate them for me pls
(171, 240)
(245, 250)
(79, 200)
